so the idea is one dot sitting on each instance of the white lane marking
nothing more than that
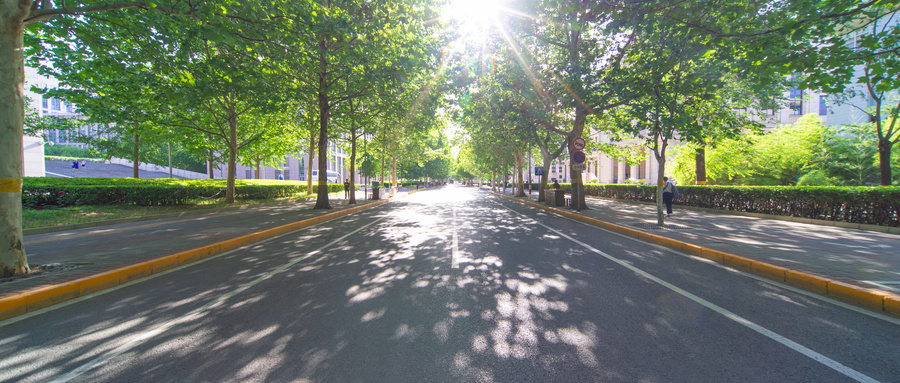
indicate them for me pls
(785, 286)
(58, 175)
(195, 314)
(454, 249)
(831, 363)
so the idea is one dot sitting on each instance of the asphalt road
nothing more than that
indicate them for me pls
(452, 285)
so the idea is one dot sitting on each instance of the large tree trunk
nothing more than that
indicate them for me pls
(700, 161)
(232, 154)
(521, 175)
(578, 201)
(884, 161)
(324, 110)
(12, 114)
(352, 164)
(309, 161)
(258, 165)
(135, 157)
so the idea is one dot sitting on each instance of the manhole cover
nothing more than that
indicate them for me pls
(653, 226)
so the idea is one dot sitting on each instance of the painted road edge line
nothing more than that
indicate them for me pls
(866, 297)
(32, 300)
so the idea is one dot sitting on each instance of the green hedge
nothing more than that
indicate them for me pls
(879, 205)
(51, 191)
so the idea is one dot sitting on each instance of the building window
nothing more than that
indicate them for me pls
(69, 107)
(287, 174)
(796, 102)
(823, 105)
(44, 103)
(248, 174)
(55, 104)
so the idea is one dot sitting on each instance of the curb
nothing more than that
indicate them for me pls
(866, 297)
(42, 297)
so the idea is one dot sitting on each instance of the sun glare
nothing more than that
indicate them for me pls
(473, 16)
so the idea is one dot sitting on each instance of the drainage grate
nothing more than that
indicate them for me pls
(653, 226)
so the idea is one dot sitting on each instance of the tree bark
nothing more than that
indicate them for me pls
(352, 199)
(232, 154)
(324, 110)
(660, 153)
(309, 161)
(521, 174)
(884, 161)
(578, 201)
(701, 164)
(135, 157)
(12, 162)
(209, 161)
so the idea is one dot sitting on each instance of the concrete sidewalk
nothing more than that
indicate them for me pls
(865, 260)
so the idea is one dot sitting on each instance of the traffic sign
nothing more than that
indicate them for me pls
(579, 157)
(578, 144)
(579, 167)
(538, 170)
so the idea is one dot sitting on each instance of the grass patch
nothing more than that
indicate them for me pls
(34, 218)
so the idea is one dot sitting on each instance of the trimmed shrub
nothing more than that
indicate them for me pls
(51, 191)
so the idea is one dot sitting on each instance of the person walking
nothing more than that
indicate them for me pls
(83, 164)
(346, 188)
(668, 195)
(75, 164)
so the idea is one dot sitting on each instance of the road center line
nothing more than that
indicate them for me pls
(454, 247)
(196, 313)
(833, 364)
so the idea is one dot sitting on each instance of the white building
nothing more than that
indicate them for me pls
(294, 168)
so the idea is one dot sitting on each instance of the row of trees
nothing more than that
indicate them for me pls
(661, 70)
(256, 80)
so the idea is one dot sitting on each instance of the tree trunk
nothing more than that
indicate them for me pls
(660, 154)
(578, 201)
(521, 176)
(701, 164)
(135, 157)
(309, 161)
(324, 110)
(209, 161)
(352, 163)
(12, 114)
(884, 160)
(232, 154)
(258, 165)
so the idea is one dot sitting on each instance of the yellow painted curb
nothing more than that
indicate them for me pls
(32, 300)
(856, 294)
(875, 299)
(768, 271)
(892, 304)
(806, 281)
